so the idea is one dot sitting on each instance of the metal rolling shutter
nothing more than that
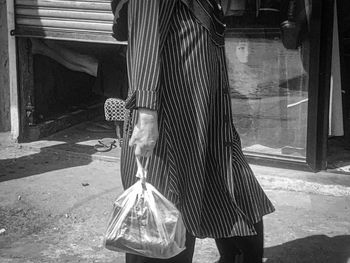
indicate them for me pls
(82, 20)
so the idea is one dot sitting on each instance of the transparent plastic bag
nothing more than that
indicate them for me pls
(145, 223)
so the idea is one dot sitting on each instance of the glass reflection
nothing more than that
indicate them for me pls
(267, 51)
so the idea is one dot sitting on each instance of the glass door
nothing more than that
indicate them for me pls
(269, 48)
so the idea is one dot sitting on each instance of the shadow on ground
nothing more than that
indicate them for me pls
(36, 163)
(312, 249)
(55, 153)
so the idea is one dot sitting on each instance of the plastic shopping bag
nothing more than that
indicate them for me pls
(145, 223)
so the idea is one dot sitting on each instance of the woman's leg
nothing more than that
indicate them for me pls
(251, 247)
(184, 257)
(228, 250)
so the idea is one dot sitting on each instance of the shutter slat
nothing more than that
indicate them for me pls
(42, 13)
(85, 20)
(64, 4)
(65, 24)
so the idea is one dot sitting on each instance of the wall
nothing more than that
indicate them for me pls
(5, 124)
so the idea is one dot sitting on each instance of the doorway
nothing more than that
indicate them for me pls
(338, 158)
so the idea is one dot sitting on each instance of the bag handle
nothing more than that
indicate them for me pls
(142, 171)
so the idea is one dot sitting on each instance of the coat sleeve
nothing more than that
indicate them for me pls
(143, 55)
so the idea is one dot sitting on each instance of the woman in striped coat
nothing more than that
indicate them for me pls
(180, 117)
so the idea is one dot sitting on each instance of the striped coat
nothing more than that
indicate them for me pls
(176, 65)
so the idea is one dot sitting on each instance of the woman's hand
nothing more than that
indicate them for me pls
(145, 133)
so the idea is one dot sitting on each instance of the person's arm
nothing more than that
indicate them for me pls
(144, 67)
(143, 53)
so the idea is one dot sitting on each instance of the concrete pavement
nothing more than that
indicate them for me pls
(54, 206)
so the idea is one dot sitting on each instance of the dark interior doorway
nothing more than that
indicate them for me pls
(339, 146)
(71, 82)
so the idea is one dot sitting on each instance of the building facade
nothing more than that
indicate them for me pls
(5, 123)
(279, 56)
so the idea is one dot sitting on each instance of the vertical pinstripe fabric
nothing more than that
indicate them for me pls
(176, 68)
